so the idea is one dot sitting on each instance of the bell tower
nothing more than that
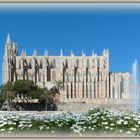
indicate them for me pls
(9, 60)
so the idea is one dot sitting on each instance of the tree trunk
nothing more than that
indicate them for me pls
(21, 99)
(26, 98)
(46, 104)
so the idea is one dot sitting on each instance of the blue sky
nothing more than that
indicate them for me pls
(74, 27)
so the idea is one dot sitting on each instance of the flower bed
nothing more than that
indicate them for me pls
(96, 122)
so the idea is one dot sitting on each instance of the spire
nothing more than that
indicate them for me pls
(72, 54)
(35, 53)
(8, 40)
(106, 51)
(46, 53)
(7, 45)
(61, 52)
(14, 46)
(92, 52)
(23, 53)
(83, 54)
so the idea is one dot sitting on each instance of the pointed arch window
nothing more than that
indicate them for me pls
(78, 76)
(41, 64)
(53, 76)
(39, 77)
(113, 92)
(77, 62)
(121, 87)
(19, 64)
(90, 90)
(98, 63)
(67, 77)
(30, 64)
(87, 64)
(89, 76)
(66, 63)
(67, 91)
(54, 64)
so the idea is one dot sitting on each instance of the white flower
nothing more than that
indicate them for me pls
(4, 123)
(133, 129)
(112, 124)
(47, 127)
(41, 127)
(92, 128)
(30, 125)
(105, 123)
(59, 125)
(125, 122)
(119, 122)
(102, 117)
(135, 119)
(128, 118)
(11, 128)
(20, 125)
(89, 127)
(14, 123)
(136, 126)
(106, 127)
(111, 128)
(120, 131)
(108, 115)
(83, 130)
(2, 130)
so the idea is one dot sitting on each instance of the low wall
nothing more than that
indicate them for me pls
(116, 104)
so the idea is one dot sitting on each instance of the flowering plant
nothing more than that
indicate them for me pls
(96, 122)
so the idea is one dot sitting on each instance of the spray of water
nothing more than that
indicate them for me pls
(134, 98)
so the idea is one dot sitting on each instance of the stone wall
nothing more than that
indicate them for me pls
(115, 104)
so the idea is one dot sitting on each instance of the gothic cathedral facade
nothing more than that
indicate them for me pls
(86, 78)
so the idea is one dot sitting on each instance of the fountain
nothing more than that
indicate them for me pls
(134, 97)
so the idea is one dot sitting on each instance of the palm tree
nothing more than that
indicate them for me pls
(56, 90)
(58, 86)
(47, 95)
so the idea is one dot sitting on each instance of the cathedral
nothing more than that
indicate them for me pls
(86, 78)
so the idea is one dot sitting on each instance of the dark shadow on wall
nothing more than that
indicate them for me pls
(36, 106)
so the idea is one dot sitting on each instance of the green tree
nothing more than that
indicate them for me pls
(23, 88)
(37, 93)
(7, 93)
